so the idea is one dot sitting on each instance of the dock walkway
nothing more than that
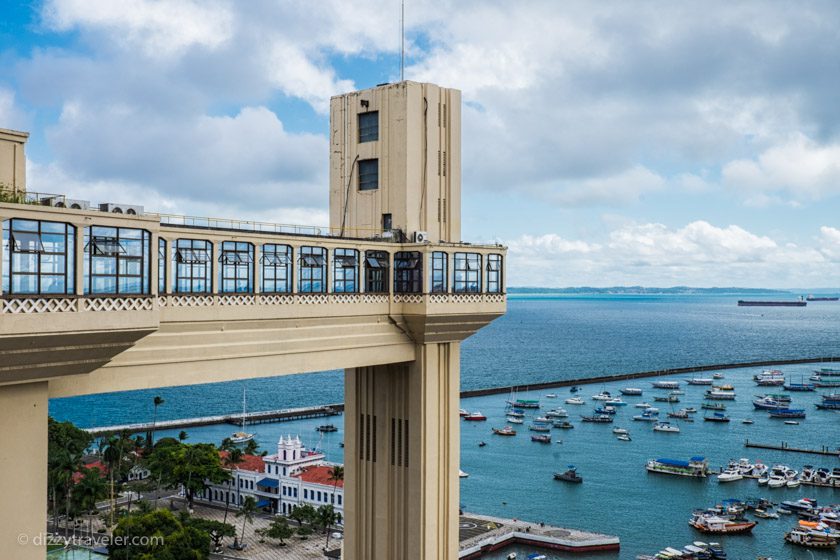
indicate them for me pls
(824, 450)
(480, 534)
(262, 417)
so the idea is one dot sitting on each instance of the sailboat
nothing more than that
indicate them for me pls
(242, 436)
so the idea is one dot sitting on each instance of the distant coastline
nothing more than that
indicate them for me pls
(645, 290)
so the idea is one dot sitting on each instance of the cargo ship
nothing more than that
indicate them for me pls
(772, 303)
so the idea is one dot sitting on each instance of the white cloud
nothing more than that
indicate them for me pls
(159, 28)
(622, 188)
(11, 116)
(829, 242)
(697, 254)
(800, 169)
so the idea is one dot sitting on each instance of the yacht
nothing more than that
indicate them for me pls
(615, 401)
(475, 417)
(700, 381)
(729, 475)
(506, 431)
(574, 400)
(647, 416)
(767, 402)
(551, 396)
(462, 474)
(631, 391)
(623, 437)
(666, 384)
(710, 523)
(242, 436)
(770, 378)
(620, 431)
(642, 405)
(666, 427)
(695, 467)
(515, 420)
(602, 396)
(557, 413)
(718, 395)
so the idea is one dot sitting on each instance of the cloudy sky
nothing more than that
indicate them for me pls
(607, 143)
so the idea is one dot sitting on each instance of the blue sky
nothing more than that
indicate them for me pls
(606, 143)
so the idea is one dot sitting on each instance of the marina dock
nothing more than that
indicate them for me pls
(480, 534)
(263, 417)
(824, 450)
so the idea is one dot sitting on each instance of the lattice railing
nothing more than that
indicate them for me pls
(118, 304)
(37, 305)
(408, 298)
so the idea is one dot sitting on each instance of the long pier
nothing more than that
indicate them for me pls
(263, 417)
(643, 374)
(824, 450)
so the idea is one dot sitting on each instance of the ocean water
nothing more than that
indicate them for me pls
(546, 338)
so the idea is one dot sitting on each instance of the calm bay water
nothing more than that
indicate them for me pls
(545, 338)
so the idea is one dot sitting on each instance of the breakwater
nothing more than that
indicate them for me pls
(643, 374)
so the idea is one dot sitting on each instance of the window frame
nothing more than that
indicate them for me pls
(117, 251)
(364, 175)
(365, 134)
(276, 262)
(494, 275)
(41, 256)
(311, 259)
(162, 285)
(467, 273)
(408, 272)
(439, 267)
(377, 277)
(184, 259)
(236, 267)
(345, 277)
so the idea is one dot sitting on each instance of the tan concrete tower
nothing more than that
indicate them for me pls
(12, 161)
(395, 161)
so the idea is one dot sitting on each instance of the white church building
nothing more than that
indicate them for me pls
(280, 482)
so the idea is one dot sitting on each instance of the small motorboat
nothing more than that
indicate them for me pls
(564, 425)
(551, 396)
(666, 427)
(506, 431)
(482, 443)
(623, 437)
(792, 484)
(515, 420)
(729, 475)
(574, 400)
(762, 480)
(716, 417)
(462, 412)
(717, 376)
(765, 514)
(541, 439)
(791, 422)
(620, 431)
(747, 421)
(462, 474)
(536, 556)
(570, 475)
(574, 389)
(511, 556)
(327, 428)
(642, 405)
(539, 428)
(631, 391)
(475, 417)
(602, 396)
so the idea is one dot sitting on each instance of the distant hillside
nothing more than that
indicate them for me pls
(643, 290)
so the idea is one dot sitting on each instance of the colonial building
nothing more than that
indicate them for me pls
(280, 482)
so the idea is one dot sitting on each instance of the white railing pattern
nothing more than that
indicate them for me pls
(25, 305)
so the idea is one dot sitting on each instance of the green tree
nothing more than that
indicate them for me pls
(278, 530)
(304, 514)
(246, 512)
(304, 531)
(234, 457)
(251, 447)
(157, 535)
(216, 529)
(189, 466)
(327, 517)
(182, 435)
(158, 400)
(88, 491)
(66, 448)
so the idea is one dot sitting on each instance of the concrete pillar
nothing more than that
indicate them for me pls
(23, 470)
(402, 454)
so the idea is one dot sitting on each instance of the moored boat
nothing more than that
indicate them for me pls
(718, 395)
(787, 413)
(564, 425)
(828, 372)
(570, 475)
(598, 418)
(729, 475)
(696, 467)
(541, 439)
(574, 400)
(506, 431)
(666, 427)
(810, 539)
(647, 416)
(668, 399)
(631, 391)
(475, 417)
(713, 406)
(515, 420)
(666, 384)
(700, 381)
(716, 417)
(539, 428)
(709, 523)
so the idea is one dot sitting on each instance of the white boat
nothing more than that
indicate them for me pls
(700, 381)
(729, 475)
(557, 413)
(631, 391)
(666, 427)
(616, 401)
(602, 396)
(776, 482)
(642, 405)
(551, 396)
(575, 400)
(462, 474)
(623, 437)
(792, 484)
(666, 384)
(515, 420)
(717, 375)
(762, 480)
(242, 436)
(620, 431)
(647, 416)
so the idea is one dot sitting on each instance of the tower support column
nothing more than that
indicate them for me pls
(402, 456)
(23, 470)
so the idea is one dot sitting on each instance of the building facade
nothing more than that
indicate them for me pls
(280, 482)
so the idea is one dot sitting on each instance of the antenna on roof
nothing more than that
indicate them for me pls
(402, 40)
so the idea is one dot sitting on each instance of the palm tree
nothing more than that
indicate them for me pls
(233, 458)
(90, 489)
(336, 474)
(182, 435)
(327, 517)
(157, 402)
(246, 512)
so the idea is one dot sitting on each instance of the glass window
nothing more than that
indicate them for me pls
(345, 271)
(368, 174)
(376, 271)
(117, 260)
(369, 126)
(161, 266)
(440, 272)
(236, 267)
(193, 264)
(467, 272)
(494, 273)
(313, 270)
(408, 272)
(38, 257)
(276, 268)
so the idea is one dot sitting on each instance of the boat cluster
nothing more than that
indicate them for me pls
(780, 476)
(697, 550)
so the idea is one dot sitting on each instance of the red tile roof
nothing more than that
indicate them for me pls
(96, 464)
(253, 463)
(319, 475)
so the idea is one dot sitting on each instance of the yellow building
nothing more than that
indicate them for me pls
(116, 299)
